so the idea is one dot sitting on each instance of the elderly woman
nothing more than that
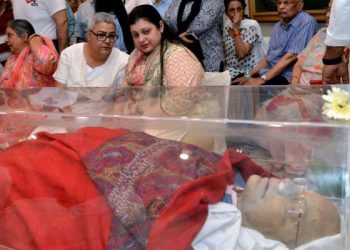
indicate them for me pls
(34, 58)
(95, 63)
(116, 8)
(158, 58)
(243, 39)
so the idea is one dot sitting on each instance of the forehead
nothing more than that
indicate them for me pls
(103, 27)
(289, 3)
(10, 30)
(234, 5)
(141, 24)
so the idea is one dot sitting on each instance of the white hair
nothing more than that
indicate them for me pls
(101, 17)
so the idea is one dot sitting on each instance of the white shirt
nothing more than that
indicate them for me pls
(39, 14)
(338, 32)
(223, 230)
(131, 4)
(73, 70)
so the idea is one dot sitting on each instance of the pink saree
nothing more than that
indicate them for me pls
(31, 69)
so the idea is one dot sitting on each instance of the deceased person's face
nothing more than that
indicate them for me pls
(280, 211)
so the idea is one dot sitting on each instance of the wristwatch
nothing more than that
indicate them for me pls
(263, 77)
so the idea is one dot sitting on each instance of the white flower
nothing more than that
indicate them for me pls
(337, 105)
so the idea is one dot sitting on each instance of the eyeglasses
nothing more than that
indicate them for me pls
(298, 205)
(288, 2)
(104, 36)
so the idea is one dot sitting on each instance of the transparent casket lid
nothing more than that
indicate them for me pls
(201, 167)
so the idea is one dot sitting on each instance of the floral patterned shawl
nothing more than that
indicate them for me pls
(181, 67)
(156, 196)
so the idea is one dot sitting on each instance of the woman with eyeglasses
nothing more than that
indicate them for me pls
(95, 63)
(33, 60)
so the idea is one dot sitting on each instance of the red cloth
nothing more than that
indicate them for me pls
(52, 203)
(184, 216)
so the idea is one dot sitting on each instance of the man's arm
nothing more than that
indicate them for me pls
(60, 18)
(242, 80)
(335, 70)
(281, 65)
(338, 36)
(262, 64)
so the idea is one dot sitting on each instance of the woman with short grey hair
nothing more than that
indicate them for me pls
(96, 62)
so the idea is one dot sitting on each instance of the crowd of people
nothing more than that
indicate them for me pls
(158, 42)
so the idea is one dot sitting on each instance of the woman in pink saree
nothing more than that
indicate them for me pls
(34, 58)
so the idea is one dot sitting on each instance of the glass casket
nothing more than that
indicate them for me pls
(172, 168)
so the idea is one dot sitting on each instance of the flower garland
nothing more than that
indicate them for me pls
(337, 104)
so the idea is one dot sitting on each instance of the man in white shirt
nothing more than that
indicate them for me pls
(48, 17)
(338, 36)
(95, 63)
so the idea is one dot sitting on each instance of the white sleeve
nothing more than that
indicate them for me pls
(222, 230)
(338, 32)
(62, 73)
(122, 61)
(54, 6)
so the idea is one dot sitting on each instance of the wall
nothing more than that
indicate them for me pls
(266, 28)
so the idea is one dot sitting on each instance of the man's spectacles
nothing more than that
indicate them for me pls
(104, 36)
(288, 2)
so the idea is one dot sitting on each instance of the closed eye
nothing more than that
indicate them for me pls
(145, 32)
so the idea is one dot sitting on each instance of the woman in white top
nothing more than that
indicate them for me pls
(243, 39)
(95, 63)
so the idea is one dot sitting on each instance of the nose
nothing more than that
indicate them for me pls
(107, 40)
(141, 38)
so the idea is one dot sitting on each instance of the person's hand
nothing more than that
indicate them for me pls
(239, 81)
(253, 81)
(333, 74)
(35, 41)
(183, 37)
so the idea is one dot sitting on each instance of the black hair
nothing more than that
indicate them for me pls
(118, 9)
(150, 14)
(21, 27)
(227, 2)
